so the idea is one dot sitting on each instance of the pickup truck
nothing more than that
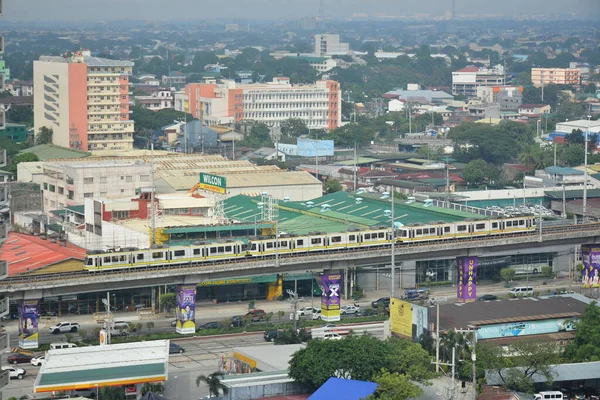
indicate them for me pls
(64, 327)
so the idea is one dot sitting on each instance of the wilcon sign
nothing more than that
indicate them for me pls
(213, 183)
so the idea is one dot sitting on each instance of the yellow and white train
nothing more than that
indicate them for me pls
(317, 242)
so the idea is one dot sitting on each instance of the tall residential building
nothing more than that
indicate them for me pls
(318, 105)
(466, 81)
(329, 44)
(558, 76)
(84, 100)
(509, 98)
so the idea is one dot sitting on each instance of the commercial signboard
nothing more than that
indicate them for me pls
(466, 287)
(401, 319)
(590, 275)
(185, 296)
(213, 183)
(331, 287)
(315, 148)
(513, 329)
(28, 324)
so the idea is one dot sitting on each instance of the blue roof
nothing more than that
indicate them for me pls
(563, 171)
(347, 389)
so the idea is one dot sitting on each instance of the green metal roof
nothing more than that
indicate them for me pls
(218, 228)
(77, 209)
(361, 160)
(49, 151)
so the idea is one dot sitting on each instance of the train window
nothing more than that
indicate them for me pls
(213, 250)
(157, 254)
(179, 253)
(494, 225)
(121, 258)
(508, 224)
(367, 236)
(197, 252)
(244, 247)
(315, 241)
(404, 233)
(352, 237)
(221, 249)
(115, 259)
(106, 259)
(419, 231)
(480, 226)
(300, 242)
(89, 261)
(336, 239)
(461, 228)
(228, 248)
(269, 245)
(140, 256)
(521, 222)
(446, 229)
(381, 234)
(283, 243)
(253, 247)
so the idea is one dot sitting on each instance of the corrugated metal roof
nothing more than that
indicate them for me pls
(561, 372)
(49, 151)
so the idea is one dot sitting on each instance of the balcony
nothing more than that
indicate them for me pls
(103, 83)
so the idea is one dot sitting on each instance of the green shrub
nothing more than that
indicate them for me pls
(547, 272)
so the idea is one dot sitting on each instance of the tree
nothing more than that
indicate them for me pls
(152, 388)
(394, 386)
(149, 325)
(534, 157)
(508, 274)
(20, 115)
(350, 134)
(573, 155)
(332, 185)
(23, 157)
(587, 336)
(44, 136)
(111, 393)
(293, 127)
(519, 363)
(478, 172)
(260, 136)
(215, 386)
(167, 300)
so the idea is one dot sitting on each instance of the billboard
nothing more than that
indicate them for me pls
(212, 183)
(28, 324)
(466, 287)
(590, 275)
(513, 329)
(185, 296)
(331, 287)
(401, 317)
(315, 148)
(420, 320)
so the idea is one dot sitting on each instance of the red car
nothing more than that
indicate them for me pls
(256, 315)
(19, 358)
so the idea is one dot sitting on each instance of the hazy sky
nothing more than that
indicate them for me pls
(268, 9)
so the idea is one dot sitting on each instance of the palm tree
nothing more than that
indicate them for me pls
(214, 383)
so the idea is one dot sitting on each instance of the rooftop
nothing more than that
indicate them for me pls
(26, 253)
(562, 372)
(556, 170)
(50, 151)
(91, 366)
(347, 389)
(105, 62)
(469, 69)
(267, 358)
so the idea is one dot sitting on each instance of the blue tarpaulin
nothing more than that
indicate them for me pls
(347, 389)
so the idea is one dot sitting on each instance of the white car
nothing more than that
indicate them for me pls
(349, 310)
(38, 361)
(306, 311)
(14, 372)
(332, 336)
(64, 327)
(316, 314)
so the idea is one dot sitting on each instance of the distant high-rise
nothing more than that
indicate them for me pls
(329, 44)
(84, 100)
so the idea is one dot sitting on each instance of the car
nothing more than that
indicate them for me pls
(208, 325)
(18, 358)
(174, 323)
(487, 297)
(332, 336)
(64, 327)
(349, 310)
(38, 361)
(14, 372)
(328, 326)
(316, 314)
(270, 336)
(49, 313)
(305, 311)
(237, 321)
(174, 348)
(256, 315)
(382, 300)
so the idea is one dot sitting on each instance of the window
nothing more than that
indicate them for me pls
(381, 234)
(269, 245)
(213, 250)
(140, 256)
(446, 229)
(103, 179)
(179, 253)
(61, 190)
(300, 242)
(508, 224)
(336, 239)
(45, 186)
(461, 228)
(315, 241)
(88, 195)
(157, 254)
(52, 188)
(352, 237)
(480, 226)
(367, 236)
(419, 231)
(88, 181)
(494, 225)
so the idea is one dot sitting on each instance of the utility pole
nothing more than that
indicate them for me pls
(294, 302)
(585, 171)
(473, 354)
(437, 338)
(152, 206)
(355, 168)
(393, 293)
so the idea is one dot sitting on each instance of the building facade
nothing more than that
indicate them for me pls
(466, 81)
(318, 105)
(509, 98)
(159, 99)
(329, 44)
(557, 76)
(84, 100)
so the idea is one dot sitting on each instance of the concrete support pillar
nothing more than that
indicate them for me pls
(346, 279)
(153, 298)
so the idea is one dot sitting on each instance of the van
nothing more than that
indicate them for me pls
(521, 291)
(56, 346)
(554, 395)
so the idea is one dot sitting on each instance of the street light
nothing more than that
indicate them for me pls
(585, 171)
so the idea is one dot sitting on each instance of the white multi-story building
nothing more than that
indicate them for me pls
(466, 81)
(68, 183)
(158, 99)
(318, 105)
(84, 100)
(329, 44)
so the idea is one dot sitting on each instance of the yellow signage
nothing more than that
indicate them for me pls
(401, 317)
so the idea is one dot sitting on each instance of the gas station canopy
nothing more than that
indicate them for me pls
(98, 366)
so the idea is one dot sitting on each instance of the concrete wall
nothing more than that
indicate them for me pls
(57, 97)
(260, 391)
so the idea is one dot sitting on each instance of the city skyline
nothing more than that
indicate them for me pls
(288, 9)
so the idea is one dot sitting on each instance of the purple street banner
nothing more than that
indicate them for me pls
(331, 287)
(185, 296)
(466, 286)
(28, 324)
(590, 275)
